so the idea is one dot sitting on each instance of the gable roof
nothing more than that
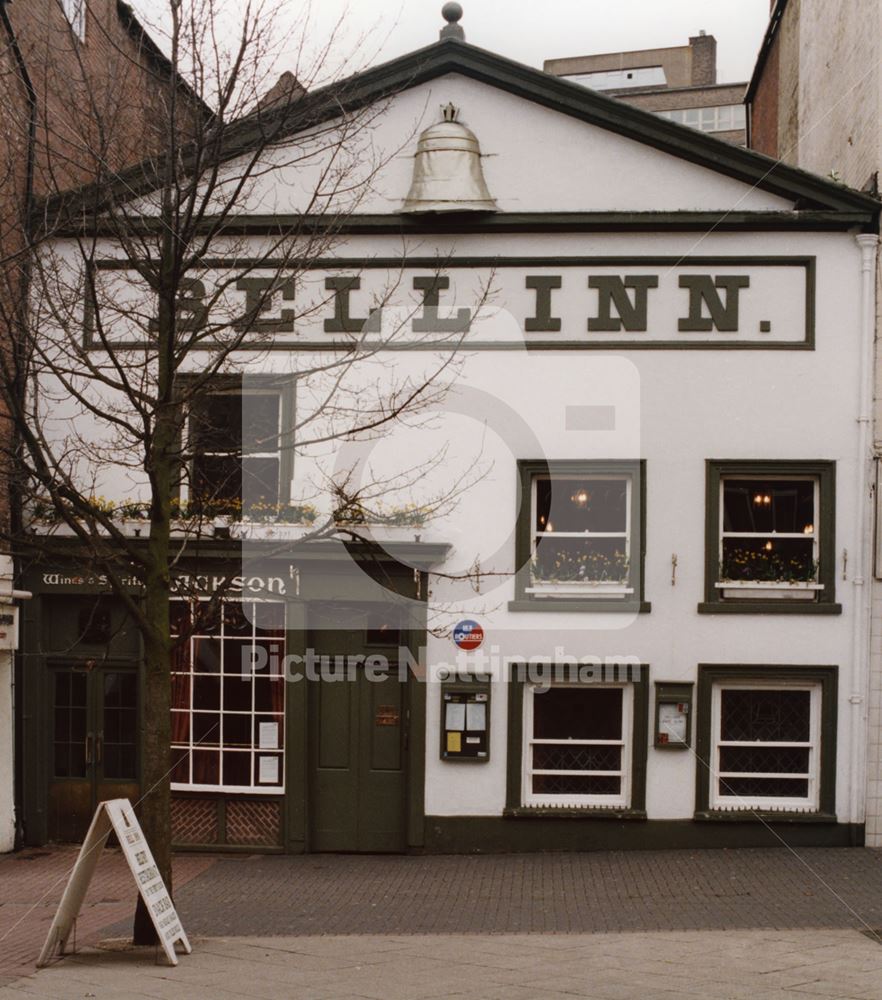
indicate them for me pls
(806, 190)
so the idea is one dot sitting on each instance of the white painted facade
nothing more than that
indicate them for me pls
(775, 397)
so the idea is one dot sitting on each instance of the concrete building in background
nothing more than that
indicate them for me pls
(815, 101)
(679, 83)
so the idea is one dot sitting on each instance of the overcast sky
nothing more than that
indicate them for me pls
(534, 30)
(530, 31)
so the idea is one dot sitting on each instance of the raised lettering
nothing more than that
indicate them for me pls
(342, 322)
(703, 292)
(259, 294)
(612, 290)
(430, 322)
(543, 321)
(192, 313)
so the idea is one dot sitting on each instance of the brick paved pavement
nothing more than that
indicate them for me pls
(722, 923)
(39, 877)
(538, 893)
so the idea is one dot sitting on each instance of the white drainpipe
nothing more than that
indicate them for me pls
(860, 674)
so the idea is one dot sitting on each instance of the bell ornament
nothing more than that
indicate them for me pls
(447, 173)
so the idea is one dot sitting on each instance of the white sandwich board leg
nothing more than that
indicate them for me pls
(78, 884)
(119, 816)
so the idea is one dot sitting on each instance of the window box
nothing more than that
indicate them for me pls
(586, 589)
(579, 536)
(260, 530)
(578, 748)
(770, 537)
(766, 742)
(764, 591)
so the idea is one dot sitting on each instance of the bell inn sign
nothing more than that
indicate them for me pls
(588, 302)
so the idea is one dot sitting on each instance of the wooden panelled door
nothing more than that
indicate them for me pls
(358, 769)
(93, 752)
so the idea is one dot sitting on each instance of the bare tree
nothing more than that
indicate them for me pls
(148, 301)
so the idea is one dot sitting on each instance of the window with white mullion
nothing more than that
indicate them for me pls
(756, 765)
(235, 437)
(577, 742)
(228, 720)
(769, 529)
(580, 530)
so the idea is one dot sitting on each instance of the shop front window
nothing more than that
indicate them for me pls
(228, 696)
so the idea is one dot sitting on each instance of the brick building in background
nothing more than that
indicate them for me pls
(679, 82)
(815, 101)
(84, 88)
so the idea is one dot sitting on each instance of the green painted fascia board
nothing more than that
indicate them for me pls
(397, 224)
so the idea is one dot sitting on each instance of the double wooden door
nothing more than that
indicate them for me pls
(93, 751)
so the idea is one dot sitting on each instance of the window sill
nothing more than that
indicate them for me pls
(737, 607)
(216, 790)
(587, 812)
(566, 604)
(585, 590)
(758, 815)
(760, 591)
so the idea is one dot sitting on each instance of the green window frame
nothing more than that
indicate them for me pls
(815, 596)
(634, 678)
(823, 682)
(581, 596)
(279, 450)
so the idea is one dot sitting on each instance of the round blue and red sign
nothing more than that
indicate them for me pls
(468, 634)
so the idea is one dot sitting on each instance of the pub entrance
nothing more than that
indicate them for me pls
(93, 751)
(358, 739)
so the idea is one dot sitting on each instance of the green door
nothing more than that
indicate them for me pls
(93, 753)
(358, 753)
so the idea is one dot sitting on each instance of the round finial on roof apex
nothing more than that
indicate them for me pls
(452, 12)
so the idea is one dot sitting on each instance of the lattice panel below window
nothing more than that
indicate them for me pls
(765, 715)
(767, 760)
(257, 823)
(770, 788)
(194, 821)
(576, 758)
(576, 784)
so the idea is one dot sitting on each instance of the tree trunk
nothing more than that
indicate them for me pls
(155, 811)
